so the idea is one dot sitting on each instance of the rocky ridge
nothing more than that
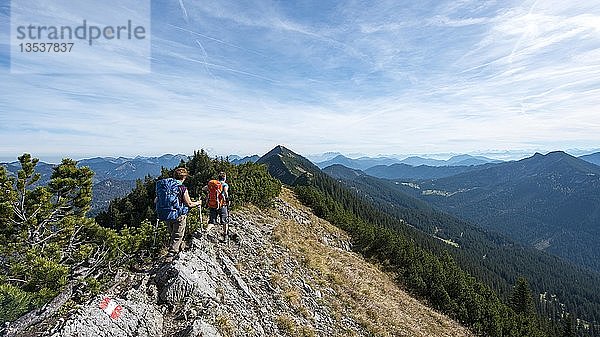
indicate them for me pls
(284, 272)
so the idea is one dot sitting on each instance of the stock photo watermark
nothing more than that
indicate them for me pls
(86, 36)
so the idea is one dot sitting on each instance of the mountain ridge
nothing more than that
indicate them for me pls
(291, 274)
(405, 171)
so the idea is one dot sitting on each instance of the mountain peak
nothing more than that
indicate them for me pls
(279, 150)
(286, 165)
(171, 156)
(552, 154)
(558, 154)
(555, 157)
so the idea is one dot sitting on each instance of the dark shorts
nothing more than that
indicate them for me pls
(218, 215)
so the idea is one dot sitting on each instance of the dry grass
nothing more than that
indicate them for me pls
(293, 298)
(225, 326)
(276, 280)
(360, 289)
(286, 325)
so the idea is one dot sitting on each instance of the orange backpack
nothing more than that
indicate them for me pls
(215, 194)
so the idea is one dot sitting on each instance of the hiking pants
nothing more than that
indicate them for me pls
(219, 214)
(177, 231)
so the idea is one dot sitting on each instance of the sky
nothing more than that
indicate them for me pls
(382, 77)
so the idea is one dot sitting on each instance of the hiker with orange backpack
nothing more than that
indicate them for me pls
(218, 201)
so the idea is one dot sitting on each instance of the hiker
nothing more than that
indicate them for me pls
(218, 201)
(172, 206)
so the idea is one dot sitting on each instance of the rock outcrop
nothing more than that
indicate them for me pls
(283, 272)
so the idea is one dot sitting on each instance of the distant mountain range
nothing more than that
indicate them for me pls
(365, 163)
(44, 169)
(359, 163)
(130, 168)
(459, 160)
(549, 201)
(408, 172)
(401, 171)
(113, 177)
(593, 158)
(317, 158)
(237, 160)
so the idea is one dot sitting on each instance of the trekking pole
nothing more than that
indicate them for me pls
(201, 230)
(155, 230)
(200, 211)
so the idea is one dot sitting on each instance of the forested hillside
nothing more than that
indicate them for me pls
(548, 201)
(426, 267)
(493, 258)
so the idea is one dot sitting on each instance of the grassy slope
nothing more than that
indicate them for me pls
(360, 289)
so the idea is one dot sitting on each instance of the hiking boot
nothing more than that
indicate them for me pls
(170, 257)
(234, 237)
(224, 238)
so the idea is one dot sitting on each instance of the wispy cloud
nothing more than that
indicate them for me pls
(458, 76)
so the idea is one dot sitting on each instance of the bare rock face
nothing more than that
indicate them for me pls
(194, 274)
(137, 316)
(199, 329)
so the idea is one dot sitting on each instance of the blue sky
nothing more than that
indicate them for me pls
(384, 77)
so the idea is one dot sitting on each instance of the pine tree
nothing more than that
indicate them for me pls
(48, 244)
(568, 327)
(521, 299)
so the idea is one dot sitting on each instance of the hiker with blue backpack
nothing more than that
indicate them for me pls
(172, 206)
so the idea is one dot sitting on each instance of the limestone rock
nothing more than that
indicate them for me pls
(199, 329)
(137, 318)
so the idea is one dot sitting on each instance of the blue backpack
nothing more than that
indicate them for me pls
(168, 202)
